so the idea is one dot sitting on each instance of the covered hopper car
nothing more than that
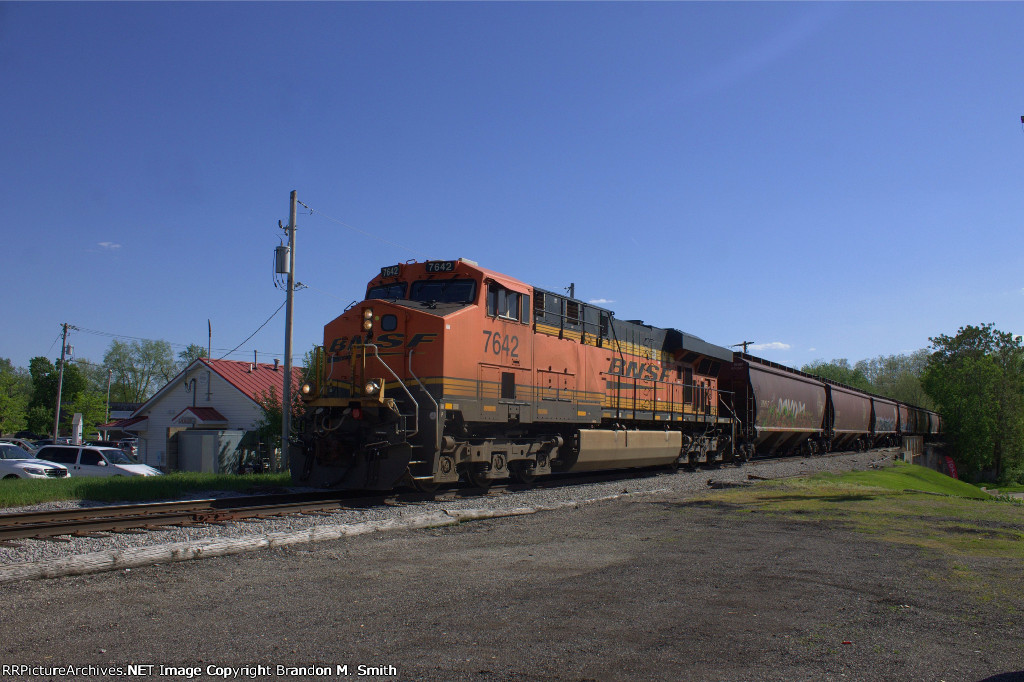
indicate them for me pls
(448, 371)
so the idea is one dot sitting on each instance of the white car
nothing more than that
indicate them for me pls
(93, 460)
(16, 463)
(21, 443)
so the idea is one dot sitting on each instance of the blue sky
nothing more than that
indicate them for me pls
(829, 180)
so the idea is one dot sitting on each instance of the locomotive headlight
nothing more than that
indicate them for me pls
(372, 387)
(306, 389)
(367, 325)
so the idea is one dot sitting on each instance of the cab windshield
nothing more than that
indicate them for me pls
(395, 290)
(443, 291)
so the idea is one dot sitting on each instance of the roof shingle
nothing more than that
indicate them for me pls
(254, 379)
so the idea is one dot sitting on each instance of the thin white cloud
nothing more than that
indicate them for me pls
(811, 350)
(600, 301)
(110, 246)
(774, 345)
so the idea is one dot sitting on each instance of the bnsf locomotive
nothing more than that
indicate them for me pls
(448, 370)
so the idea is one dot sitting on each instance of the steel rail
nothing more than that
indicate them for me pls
(100, 520)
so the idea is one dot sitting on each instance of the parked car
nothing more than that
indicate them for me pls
(88, 460)
(21, 443)
(16, 463)
(129, 445)
(50, 441)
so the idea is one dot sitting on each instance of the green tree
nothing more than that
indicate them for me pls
(15, 391)
(191, 353)
(95, 376)
(268, 427)
(839, 371)
(93, 408)
(898, 376)
(40, 419)
(140, 368)
(46, 377)
(77, 395)
(976, 379)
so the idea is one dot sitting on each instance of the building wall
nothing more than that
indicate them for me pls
(211, 390)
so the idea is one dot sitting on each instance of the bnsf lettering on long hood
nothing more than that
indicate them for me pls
(344, 343)
(650, 371)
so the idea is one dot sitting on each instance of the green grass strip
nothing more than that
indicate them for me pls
(908, 477)
(24, 492)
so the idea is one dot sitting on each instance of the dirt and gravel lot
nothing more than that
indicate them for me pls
(661, 586)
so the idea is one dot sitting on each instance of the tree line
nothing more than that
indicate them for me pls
(132, 371)
(974, 379)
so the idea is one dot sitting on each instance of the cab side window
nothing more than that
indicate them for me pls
(507, 304)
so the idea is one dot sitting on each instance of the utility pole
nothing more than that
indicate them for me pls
(110, 374)
(60, 382)
(286, 400)
(744, 344)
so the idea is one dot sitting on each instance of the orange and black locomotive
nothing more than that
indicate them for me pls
(449, 370)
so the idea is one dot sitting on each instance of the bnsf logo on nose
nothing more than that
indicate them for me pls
(384, 341)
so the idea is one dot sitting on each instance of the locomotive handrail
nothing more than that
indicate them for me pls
(416, 405)
(437, 408)
(726, 405)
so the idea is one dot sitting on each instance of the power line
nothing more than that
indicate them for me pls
(112, 335)
(52, 344)
(96, 332)
(255, 332)
(364, 232)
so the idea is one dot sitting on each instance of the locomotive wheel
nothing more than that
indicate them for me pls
(523, 473)
(477, 477)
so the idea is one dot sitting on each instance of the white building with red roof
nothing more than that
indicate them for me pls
(197, 421)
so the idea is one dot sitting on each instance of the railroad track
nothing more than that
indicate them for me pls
(62, 525)
(136, 518)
